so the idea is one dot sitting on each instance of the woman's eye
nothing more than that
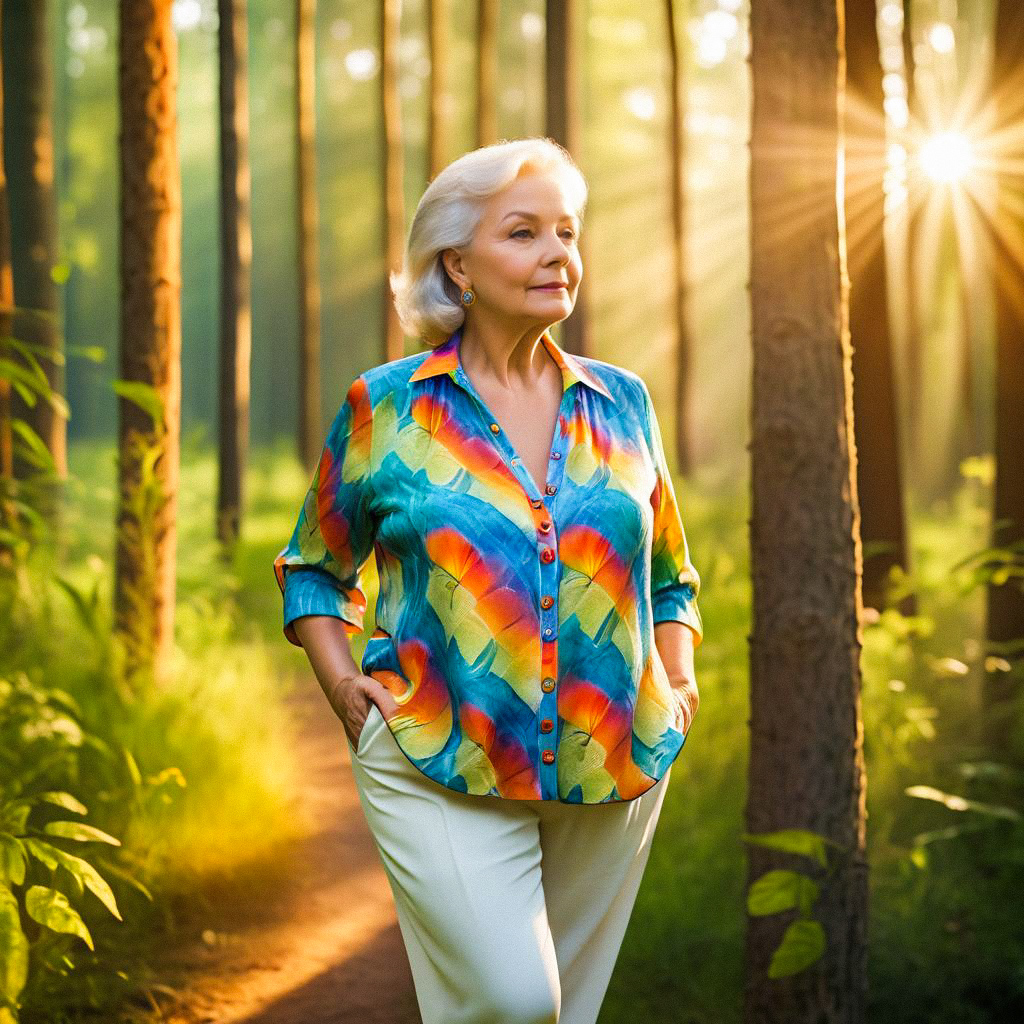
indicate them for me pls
(526, 231)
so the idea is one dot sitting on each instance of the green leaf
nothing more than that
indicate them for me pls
(802, 944)
(65, 800)
(12, 860)
(51, 908)
(781, 890)
(81, 870)
(13, 948)
(79, 831)
(94, 353)
(794, 840)
(143, 395)
(38, 451)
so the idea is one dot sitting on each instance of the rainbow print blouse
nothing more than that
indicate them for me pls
(514, 627)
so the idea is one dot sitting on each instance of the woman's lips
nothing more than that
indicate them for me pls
(549, 287)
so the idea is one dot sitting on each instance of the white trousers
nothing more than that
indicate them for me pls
(511, 911)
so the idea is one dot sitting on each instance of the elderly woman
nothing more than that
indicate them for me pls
(530, 678)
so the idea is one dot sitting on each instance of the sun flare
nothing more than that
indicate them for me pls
(946, 157)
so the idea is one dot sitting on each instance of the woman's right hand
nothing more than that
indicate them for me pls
(351, 700)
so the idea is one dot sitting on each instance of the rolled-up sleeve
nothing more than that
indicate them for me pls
(674, 580)
(318, 571)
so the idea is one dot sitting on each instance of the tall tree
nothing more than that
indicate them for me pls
(562, 117)
(150, 336)
(1005, 597)
(879, 473)
(28, 152)
(307, 225)
(236, 269)
(486, 72)
(7, 513)
(393, 228)
(806, 766)
(438, 120)
(677, 158)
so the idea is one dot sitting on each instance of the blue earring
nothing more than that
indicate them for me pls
(468, 297)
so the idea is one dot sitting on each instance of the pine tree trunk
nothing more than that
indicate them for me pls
(29, 156)
(150, 246)
(879, 471)
(392, 160)
(438, 121)
(487, 72)
(310, 420)
(806, 767)
(1006, 599)
(677, 156)
(236, 269)
(562, 78)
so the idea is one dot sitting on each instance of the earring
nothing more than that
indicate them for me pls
(468, 297)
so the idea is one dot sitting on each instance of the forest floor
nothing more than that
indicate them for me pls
(322, 945)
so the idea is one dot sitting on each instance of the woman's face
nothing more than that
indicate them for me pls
(526, 239)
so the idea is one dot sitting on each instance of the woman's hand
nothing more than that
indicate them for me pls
(352, 698)
(686, 690)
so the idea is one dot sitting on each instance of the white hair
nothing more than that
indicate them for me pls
(426, 298)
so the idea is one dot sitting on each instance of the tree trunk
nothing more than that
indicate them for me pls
(150, 248)
(236, 269)
(562, 77)
(677, 157)
(393, 228)
(486, 72)
(8, 515)
(879, 471)
(28, 152)
(1006, 599)
(806, 758)
(438, 120)
(310, 426)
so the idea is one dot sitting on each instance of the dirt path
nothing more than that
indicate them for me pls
(325, 947)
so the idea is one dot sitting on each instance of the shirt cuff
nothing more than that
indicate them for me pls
(312, 591)
(677, 604)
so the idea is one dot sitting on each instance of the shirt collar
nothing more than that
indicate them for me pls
(445, 359)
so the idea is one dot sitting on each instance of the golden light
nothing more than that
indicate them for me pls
(946, 157)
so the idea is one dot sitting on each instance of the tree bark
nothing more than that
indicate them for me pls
(236, 271)
(487, 72)
(392, 159)
(150, 247)
(806, 766)
(310, 426)
(562, 78)
(879, 470)
(438, 121)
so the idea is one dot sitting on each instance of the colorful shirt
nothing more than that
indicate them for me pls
(514, 627)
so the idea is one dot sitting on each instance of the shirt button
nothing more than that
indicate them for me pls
(547, 601)
(495, 428)
(536, 503)
(550, 489)
(545, 526)
(547, 555)
(548, 756)
(547, 684)
(556, 455)
(547, 632)
(546, 725)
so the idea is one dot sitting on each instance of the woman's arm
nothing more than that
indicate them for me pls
(675, 643)
(349, 692)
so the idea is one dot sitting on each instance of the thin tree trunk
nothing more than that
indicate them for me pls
(236, 269)
(8, 515)
(562, 78)
(806, 766)
(879, 472)
(1006, 599)
(684, 341)
(150, 248)
(393, 228)
(310, 426)
(28, 151)
(487, 72)
(438, 121)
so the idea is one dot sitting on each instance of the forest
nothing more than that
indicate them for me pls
(804, 231)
